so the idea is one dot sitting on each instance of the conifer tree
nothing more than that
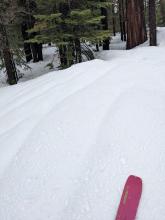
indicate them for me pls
(32, 50)
(70, 25)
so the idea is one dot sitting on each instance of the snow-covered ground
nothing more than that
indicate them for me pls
(69, 139)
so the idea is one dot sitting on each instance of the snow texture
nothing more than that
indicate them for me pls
(69, 139)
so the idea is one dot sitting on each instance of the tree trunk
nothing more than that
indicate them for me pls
(10, 67)
(28, 52)
(37, 52)
(27, 48)
(122, 18)
(34, 52)
(152, 22)
(162, 10)
(113, 21)
(71, 53)
(114, 26)
(97, 47)
(63, 56)
(136, 27)
(7, 56)
(78, 51)
(105, 27)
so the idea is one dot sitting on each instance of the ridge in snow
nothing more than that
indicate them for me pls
(69, 140)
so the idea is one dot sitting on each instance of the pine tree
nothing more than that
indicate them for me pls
(32, 50)
(106, 7)
(70, 26)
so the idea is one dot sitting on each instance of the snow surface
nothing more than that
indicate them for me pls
(69, 139)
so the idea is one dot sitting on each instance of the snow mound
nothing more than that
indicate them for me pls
(70, 139)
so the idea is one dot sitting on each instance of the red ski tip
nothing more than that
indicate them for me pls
(130, 199)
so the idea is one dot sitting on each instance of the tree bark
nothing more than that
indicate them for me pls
(37, 52)
(136, 27)
(27, 48)
(106, 42)
(63, 57)
(152, 22)
(78, 51)
(10, 66)
(113, 21)
(97, 47)
(122, 18)
(7, 55)
(162, 10)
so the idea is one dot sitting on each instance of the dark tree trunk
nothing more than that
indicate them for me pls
(63, 57)
(7, 56)
(114, 26)
(106, 44)
(71, 53)
(105, 27)
(97, 47)
(152, 22)
(10, 66)
(162, 9)
(78, 51)
(122, 18)
(113, 21)
(136, 28)
(27, 48)
(37, 52)
(34, 52)
(28, 52)
(142, 23)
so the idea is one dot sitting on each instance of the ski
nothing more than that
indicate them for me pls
(130, 199)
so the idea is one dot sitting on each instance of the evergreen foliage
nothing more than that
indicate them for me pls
(70, 26)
